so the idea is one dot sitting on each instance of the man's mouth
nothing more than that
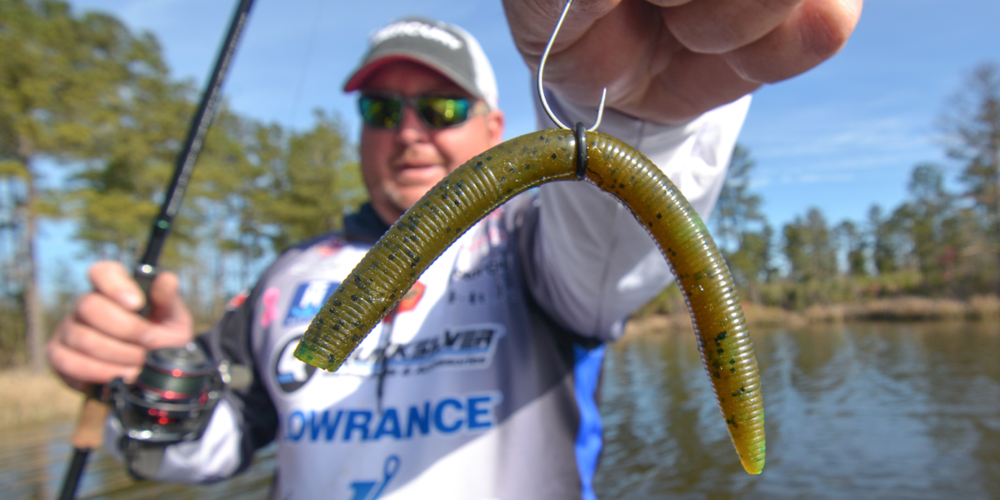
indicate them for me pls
(415, 173)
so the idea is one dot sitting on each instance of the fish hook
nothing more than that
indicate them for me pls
(541, 70)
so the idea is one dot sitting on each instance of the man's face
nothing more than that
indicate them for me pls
(400, 165)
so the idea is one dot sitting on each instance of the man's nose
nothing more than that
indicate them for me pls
(411, 128)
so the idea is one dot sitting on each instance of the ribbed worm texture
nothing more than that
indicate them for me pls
(484, 183)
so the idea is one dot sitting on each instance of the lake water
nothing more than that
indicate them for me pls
(852, 412)
(881, 411)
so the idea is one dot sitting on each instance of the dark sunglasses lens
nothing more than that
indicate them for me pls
(443, 112)
(379, 111)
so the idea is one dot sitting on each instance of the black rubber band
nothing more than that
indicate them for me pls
(581, 151)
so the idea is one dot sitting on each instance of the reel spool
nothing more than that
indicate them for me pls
(173, 397)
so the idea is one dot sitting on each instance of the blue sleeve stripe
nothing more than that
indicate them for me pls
(589, 435)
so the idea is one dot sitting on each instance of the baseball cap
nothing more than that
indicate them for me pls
(443, 47)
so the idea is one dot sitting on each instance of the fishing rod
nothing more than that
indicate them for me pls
(89, 431)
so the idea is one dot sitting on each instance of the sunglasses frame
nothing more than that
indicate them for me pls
(413, 102)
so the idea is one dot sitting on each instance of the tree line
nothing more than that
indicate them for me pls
(937, 243)
(85, 99)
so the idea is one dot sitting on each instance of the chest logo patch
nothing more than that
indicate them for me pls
(269, 302)
(371, 490)
(290, 373)
(465, 347)
(308, 299)
(408, 302)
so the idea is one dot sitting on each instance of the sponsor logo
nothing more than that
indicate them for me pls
(491, 267)
(412, 298)
(269, 302)
(329, 247)
(444, 417)
(289, 373)
(308, 299)
(473, 297)
(417, 28)
(365, 490)
(408, 302)
(298, 269)
(461, 348)
(237, 300)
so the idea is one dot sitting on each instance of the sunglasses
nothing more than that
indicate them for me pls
(385, 110)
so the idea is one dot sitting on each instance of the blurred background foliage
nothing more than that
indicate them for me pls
(84, 94)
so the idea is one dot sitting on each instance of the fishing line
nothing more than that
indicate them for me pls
(307, 56)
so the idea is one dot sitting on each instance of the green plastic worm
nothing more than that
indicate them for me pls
(484, 183)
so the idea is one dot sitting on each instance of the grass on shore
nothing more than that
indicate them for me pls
(904, 308)
(32, 398)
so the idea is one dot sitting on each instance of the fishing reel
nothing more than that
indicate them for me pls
(172, 399)
(170, 402)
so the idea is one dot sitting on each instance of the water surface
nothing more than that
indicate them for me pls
(857, 411)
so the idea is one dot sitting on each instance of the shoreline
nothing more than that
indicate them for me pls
(37, 398)
(889, 310)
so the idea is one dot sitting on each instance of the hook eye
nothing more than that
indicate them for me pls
(541, 71)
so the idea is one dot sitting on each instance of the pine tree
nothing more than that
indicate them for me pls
(736, 209)
(971, 123)
(318, 181)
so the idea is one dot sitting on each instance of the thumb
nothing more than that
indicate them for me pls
(171, 323)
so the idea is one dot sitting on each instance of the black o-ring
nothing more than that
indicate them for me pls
(581, 151)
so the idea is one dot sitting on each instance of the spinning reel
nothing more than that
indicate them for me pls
(170, 402)
(173, 397)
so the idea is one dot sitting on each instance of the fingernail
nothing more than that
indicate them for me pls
(131, 300)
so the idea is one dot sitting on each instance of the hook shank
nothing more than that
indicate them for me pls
(541, 71)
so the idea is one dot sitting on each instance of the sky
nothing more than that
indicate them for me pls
(842, 137)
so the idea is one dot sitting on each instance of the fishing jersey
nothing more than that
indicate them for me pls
(483, 382)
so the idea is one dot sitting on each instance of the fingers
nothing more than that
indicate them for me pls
(103, 337)
(814, 31)
(116, 296)
(103, 314)
(691, 84)
(670, 60)
(79, 367)
(113, 281)
(668, 3)
(765, 40)
(171, 319)
(718, 26)
(591, 63)
(531, 23)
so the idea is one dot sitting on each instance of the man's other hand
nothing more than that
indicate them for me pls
(668, 61)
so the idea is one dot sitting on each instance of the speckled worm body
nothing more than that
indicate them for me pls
(487, 181)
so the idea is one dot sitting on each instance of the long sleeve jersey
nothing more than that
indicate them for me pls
(483, 382)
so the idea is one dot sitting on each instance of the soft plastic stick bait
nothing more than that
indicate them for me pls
(484, 183)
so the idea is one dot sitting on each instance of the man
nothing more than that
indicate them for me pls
(481, 384)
